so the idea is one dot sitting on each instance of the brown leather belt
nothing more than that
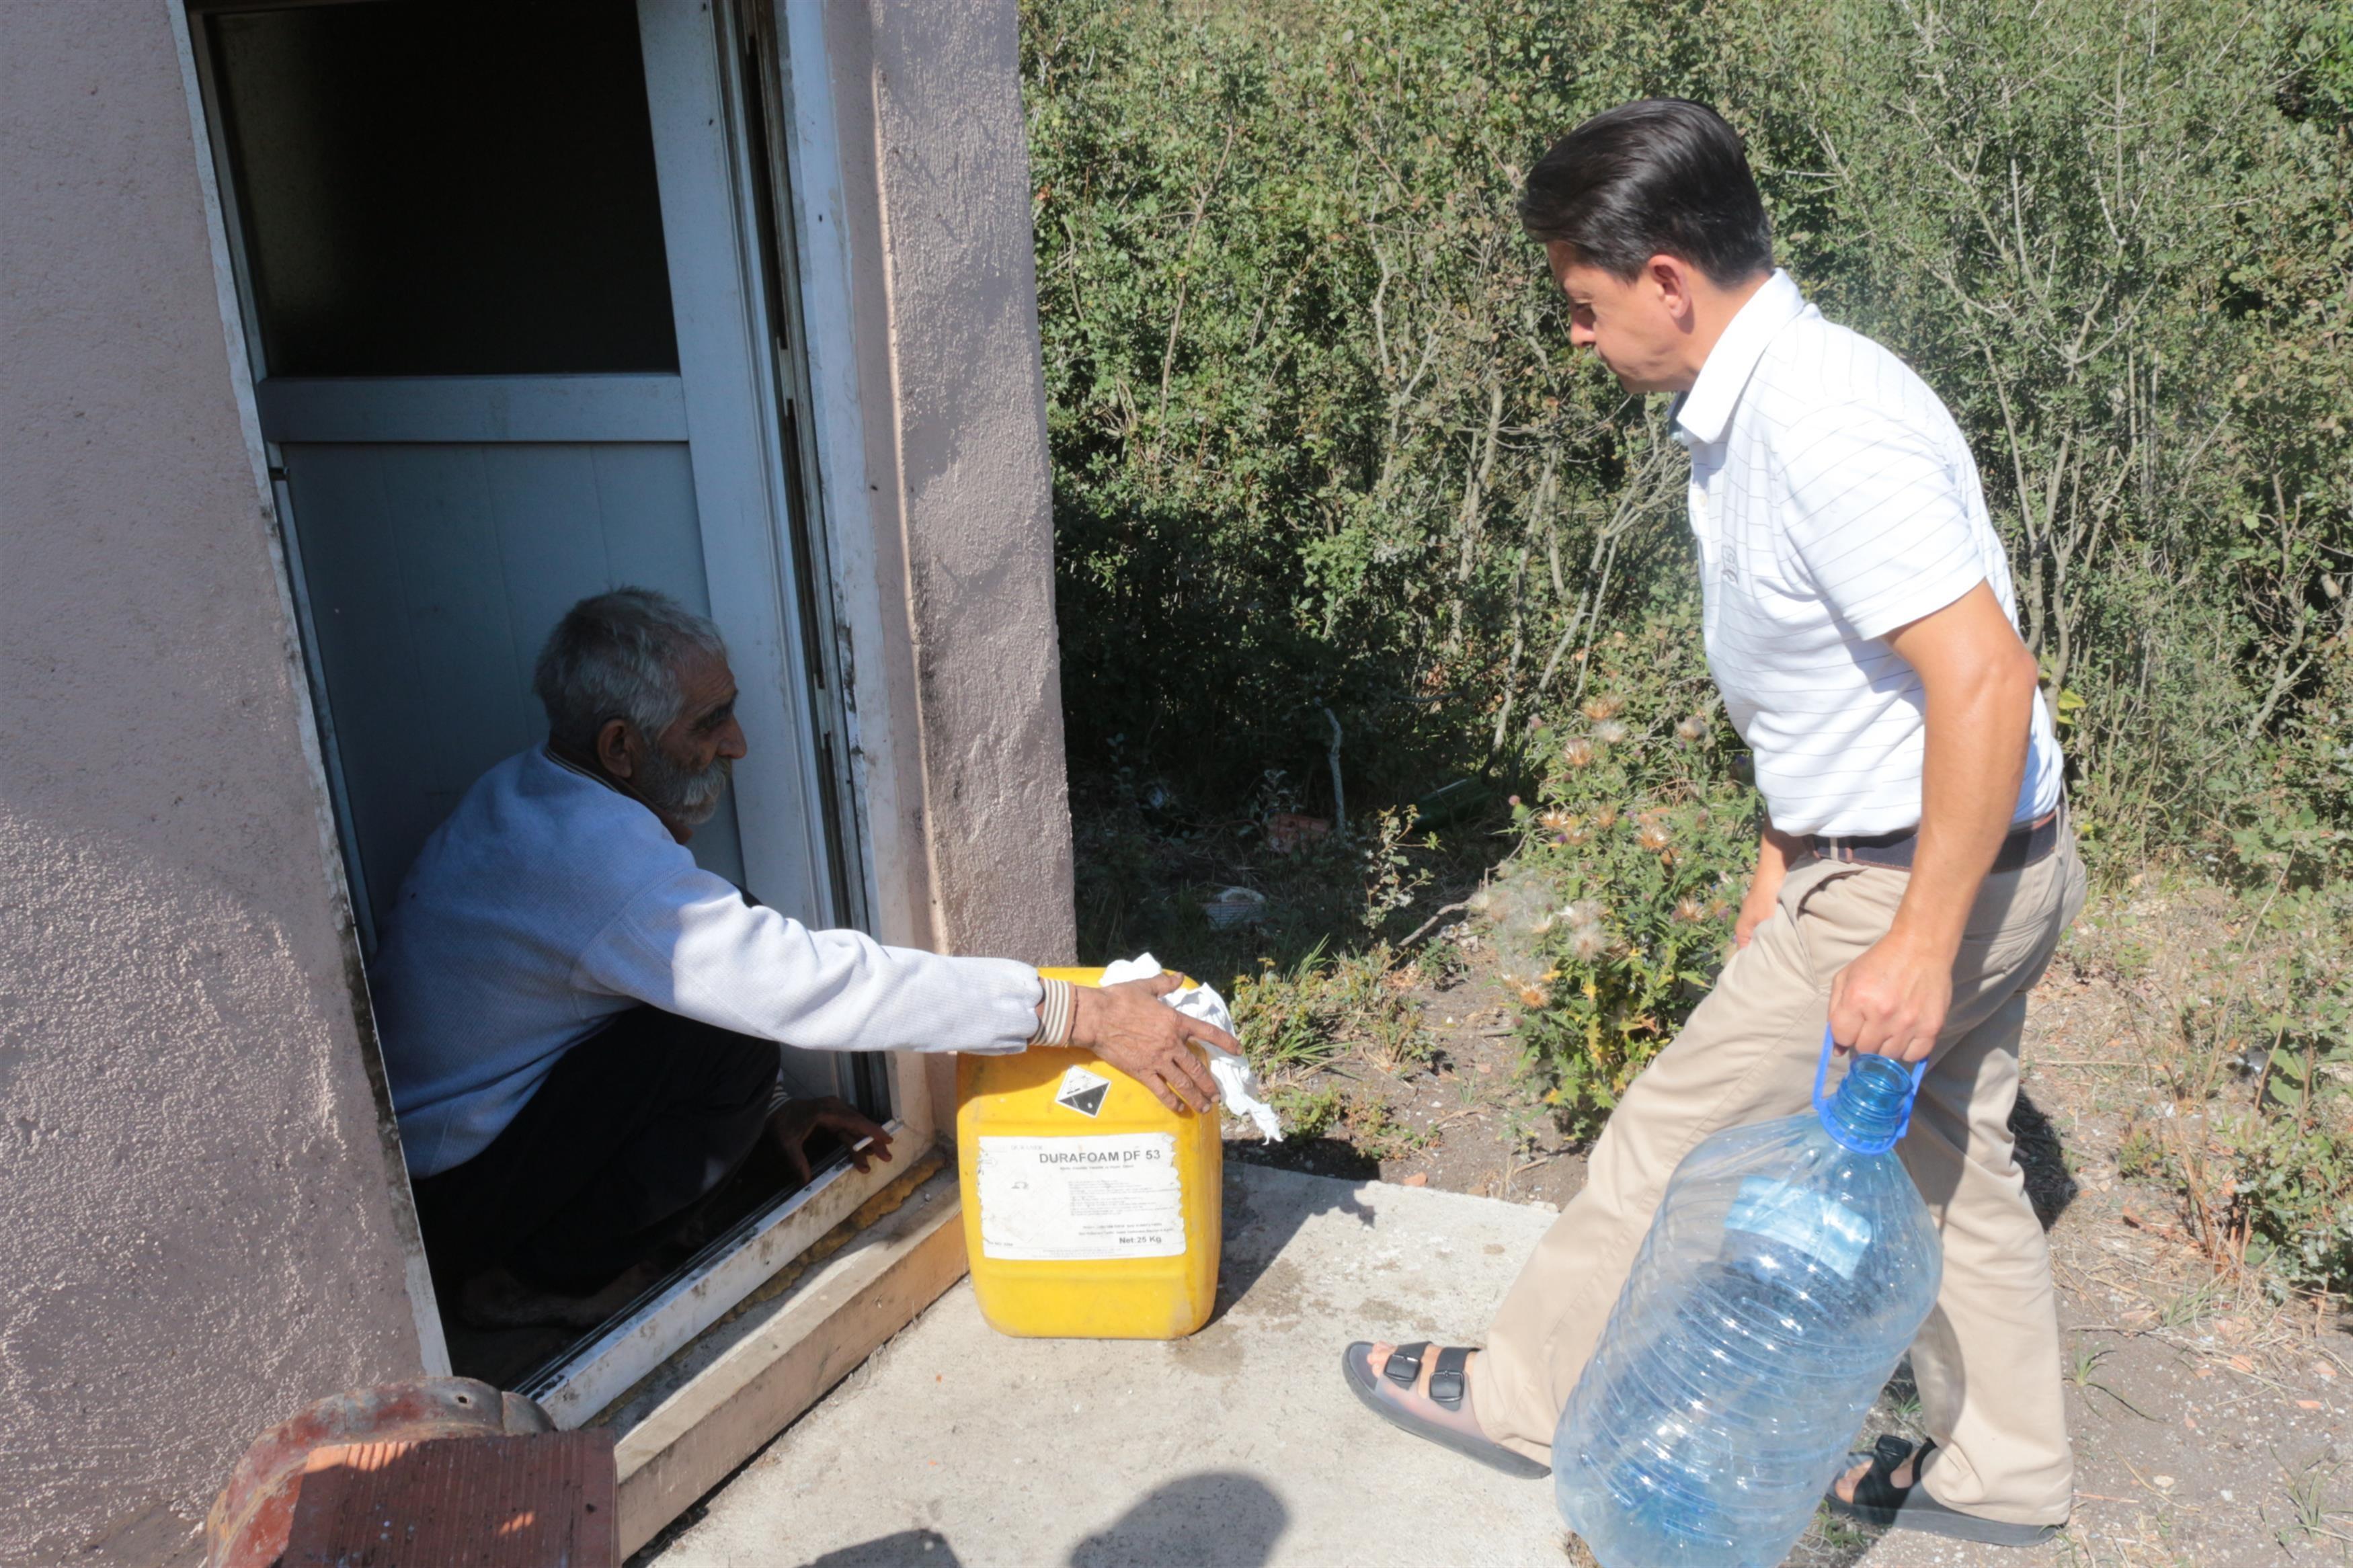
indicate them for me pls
(2027, 843)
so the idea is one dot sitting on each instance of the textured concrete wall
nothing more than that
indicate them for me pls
(201, 1228)
(199, 1231)
(929, 96)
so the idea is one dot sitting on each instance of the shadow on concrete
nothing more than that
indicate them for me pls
(1219, 1517)
(2050, 1185)
(1261, 1220)
(927, 1547)
(1310, 1156)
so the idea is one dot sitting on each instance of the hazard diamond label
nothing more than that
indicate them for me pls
(1084, 1091)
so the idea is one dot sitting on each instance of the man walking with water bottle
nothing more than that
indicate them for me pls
(1916, 871)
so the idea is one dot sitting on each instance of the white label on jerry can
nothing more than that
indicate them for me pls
(1068, 1200)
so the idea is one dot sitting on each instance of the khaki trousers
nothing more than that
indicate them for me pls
(1987, 1361)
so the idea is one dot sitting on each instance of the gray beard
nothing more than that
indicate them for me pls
(689, 798)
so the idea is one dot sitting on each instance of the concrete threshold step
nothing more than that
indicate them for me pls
(711, 1406)
(1239, 1446)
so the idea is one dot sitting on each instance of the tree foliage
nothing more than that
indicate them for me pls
(1321, 446)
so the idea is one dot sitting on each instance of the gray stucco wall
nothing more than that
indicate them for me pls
(199, 1225)
(199, 1230)
(951, 164)
(934, 153)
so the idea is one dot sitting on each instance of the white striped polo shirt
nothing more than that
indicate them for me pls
(1835, 500)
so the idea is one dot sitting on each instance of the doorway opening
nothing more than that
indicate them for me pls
(517, 294)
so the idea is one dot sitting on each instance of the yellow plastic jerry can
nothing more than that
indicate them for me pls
(1090, 1210)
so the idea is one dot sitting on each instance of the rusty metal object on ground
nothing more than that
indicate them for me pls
(535, 1501)
(249, 1520)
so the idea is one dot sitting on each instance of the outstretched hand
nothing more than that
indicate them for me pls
(797, 1121)
(1131, 1028)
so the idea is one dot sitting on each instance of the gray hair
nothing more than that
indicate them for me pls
(616, 655)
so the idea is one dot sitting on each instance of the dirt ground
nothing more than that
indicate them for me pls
(2210, 1422)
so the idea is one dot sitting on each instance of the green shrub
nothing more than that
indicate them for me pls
(1620, 905)
(1309, 1113)
(2140, 1153)
(1321, 446)
(2261, 1149)
(1293, 1020)
(1374, 1126)
(2294, 1180)
(1326, 465)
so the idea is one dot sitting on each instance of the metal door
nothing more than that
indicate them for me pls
(509, 350)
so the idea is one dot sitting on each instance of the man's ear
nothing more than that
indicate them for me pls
(613, 752)
(1672, 277)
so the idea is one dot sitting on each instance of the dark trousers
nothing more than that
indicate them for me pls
(634, 1125)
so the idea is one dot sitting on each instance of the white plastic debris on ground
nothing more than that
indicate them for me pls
(1244, 1095)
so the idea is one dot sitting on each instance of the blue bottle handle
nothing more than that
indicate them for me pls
(1821, 1101)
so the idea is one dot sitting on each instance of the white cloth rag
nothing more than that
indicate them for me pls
(1244, 1095)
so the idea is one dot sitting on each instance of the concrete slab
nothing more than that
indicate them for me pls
(1240, 1447)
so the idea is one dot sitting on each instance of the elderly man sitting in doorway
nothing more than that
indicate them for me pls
(580, 1024)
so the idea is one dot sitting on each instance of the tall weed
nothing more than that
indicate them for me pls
(1619, 907)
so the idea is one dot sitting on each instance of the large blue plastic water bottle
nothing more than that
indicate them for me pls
(1788, 1270)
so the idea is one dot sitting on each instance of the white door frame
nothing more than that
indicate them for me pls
(728, 378)
(704, 170)
(693, 41)
(889, 787)
(731, 386)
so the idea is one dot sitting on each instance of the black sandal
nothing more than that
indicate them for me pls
(1879, 1501)
(1447, 1385)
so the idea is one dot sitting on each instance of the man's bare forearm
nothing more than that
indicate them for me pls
(1976, 745)
(1980, 685)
